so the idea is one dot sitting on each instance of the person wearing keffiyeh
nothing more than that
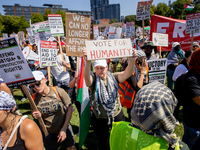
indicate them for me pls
(105, 96)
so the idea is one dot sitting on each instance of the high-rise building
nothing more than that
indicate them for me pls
(103, 10)
(169, 2)
(26, 11)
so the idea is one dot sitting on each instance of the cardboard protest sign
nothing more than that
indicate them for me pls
(117, 35)
(41, 27)
(5, 35)
(48, 52)
(77, 32)
(13, 68)
(143, 10)
(56, 24)
(130, 29)
(192, 23)
(29, 54)
(157, 70)
(160, 39)
(104, 49)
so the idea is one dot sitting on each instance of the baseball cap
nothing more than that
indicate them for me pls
(102, 63)
(38, 75)
(195, 44)
(148, 43)
(175, 44)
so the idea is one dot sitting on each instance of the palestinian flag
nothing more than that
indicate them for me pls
(189, 7)
(83, 98)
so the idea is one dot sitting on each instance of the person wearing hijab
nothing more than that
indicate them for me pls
(17, 133)
(191, 103)
(152, 122)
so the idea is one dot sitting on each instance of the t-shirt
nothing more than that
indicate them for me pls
(58, 70)
(52, 109)
(180, 69)
(101, 109)
(191, 110)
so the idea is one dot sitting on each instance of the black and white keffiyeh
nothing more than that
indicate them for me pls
(106, 96)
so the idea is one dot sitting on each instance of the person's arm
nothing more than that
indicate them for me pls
(66, 63)
(31, 135)
(142, 72)
(196, 100)
(86, 72)
(73, 81)
(5, 88)
(122, 76)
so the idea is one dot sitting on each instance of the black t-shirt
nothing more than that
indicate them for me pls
(132, 81)
(191, 110)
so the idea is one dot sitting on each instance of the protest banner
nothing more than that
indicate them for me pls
(56, 24)
(96, 32)
(41, 27)
(29, 54)
(105, 49)
(77, 32)
(48, 52)
(117, 35)
(130, 29)
(5, 35)
(143, 10)
(175, 29)
(157, 70)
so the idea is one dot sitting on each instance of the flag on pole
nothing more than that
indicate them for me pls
(83, 98)
(189, 7)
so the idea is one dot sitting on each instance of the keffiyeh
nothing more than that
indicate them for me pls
(6, 101)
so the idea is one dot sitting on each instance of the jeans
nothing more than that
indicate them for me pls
(170, 82)
(191, 137)
(64, 84)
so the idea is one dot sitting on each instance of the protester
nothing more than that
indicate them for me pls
(56, 111)
(35, 49)
(195, 45)
(173, 57)
(148, 48)
(17, 132)
(152, 122)
(191, 107)
(58, 72)
(115, 62)
(105, 97)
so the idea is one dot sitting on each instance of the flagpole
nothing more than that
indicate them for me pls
(182, 14)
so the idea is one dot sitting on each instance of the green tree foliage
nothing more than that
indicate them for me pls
(162, 9)
(113, 21)
(45, 15)
(1, 26)
(153, 10)
(62, 13)
(36, 17)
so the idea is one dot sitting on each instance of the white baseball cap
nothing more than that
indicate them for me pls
(102, 63)
(175, 44)
(38, 75)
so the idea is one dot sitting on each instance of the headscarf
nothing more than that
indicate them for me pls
(177, 49)
(195, 61)
(153, 109)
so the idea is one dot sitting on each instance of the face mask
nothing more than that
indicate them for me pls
(44, 71)
(177, 48)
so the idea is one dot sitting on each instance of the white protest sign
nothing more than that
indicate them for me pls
(143, 10)
(31, 40)
(41, 27)
(56, 24)
(117, 35)
(157, 70)
(29, 54)
(112, 30)
(48, 53)
(77, 32)
(130, 29)
(96, 31)
(42, 36)
(29, 31)
(160, 39)
(13, 68)
(104, 49)
(5, 35)
(192, 23)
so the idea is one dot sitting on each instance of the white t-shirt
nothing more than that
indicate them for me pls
(58, 70)
(180, 69)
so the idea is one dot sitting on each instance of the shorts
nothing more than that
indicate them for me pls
(50, 141)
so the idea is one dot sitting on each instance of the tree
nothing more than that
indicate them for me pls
(153, 10)
(130, 18)
(177, 8)
(1, 25)
(113, 21)
(36, 17)
(62, 13)
(23, 24)
(162, 9)
(45, 15)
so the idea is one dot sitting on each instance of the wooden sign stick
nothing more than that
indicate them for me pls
(160, 56)
(33, 106)
(49, 75)
(61, 53)
(77, 65)
(143, 30)
(192, 42)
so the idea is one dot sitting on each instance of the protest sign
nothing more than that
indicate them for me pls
(15, 35)
(29, 54)
(143, 10)
(96, 32)
(31, 40)
(5, 35)
(21, 37)
(175, 29)
(192, 23)
(157, 70)
(29, 31)
(48, 52)
(160, 39)
(77, 32)
(112, 30)
(13, 67)
(104, 49)
(56, 24)
(42, 36)
(41, 27)
(117, 35)
(130, 29)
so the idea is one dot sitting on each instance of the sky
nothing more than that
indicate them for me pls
(127, 7)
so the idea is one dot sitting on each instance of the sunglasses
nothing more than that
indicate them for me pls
(148, 47)
(37, 83)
